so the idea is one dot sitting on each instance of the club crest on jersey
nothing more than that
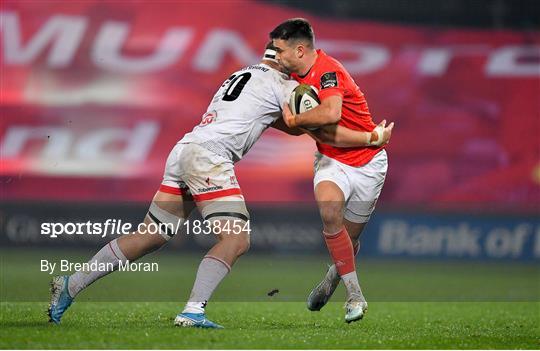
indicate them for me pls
(208, 118)
(329, 80)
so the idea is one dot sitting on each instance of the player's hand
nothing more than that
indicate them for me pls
(381, 134)
(289, 117)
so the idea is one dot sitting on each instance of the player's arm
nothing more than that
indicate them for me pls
(328, 112)
(340, 136)
(280, 125)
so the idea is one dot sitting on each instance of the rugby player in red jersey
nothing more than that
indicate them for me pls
(348, 181)
(200, 170)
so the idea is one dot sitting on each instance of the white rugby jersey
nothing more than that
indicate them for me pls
(245, 105)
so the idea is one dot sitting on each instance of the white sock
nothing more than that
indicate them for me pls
(211, 272)
(110, 255)
(351, 283)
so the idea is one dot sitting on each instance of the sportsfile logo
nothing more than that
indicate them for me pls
(118, 227)
(102, 229)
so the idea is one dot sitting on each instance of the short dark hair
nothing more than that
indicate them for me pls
(294, 29)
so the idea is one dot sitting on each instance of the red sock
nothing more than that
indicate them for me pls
(341, 249)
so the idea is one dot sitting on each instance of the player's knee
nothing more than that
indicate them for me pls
(242, 245)
(239, 242)
(138, 245)
(162, 224)
(331, 213)
(153, 243)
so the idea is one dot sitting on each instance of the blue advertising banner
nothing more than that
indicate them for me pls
(453, 236)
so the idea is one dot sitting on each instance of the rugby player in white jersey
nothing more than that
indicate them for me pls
(200, 170)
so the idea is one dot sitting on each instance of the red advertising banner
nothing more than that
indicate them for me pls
(95, 93)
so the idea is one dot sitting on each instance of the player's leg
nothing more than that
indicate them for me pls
(165, 208)
(322, 292)
(355, 231)
(226, 212)
(171, 205)
(167, 212)
(230, 223)
(331, 201)
(232, 233)
(366, 186)
(332, 189)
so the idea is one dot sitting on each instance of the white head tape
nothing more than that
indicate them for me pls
(270, 54)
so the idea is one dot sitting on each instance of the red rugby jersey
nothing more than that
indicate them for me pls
(330, 77)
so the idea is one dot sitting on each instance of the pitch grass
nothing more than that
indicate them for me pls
(281, 325)
(293, 275)
(443, 304)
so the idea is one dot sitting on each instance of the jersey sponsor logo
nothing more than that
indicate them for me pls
(212, 188)
(329, 80)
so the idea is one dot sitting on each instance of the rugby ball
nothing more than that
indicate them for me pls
(303, 98)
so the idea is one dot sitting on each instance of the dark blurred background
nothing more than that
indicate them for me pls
(489, 14)
(95, 94)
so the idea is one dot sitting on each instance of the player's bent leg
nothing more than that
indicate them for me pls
(355, 231)
(359, 209)
(357, 215)
(356, 305)
(164, 207)
(164, 218)
(229, 218)
(330, 199)
(320, 295)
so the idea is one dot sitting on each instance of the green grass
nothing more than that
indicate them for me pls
(294, 275)
(422, 304)
(278, 325)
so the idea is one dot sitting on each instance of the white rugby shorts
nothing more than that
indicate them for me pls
(361, 186)
(204, 174)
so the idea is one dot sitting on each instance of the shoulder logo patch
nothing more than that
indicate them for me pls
(329, 80)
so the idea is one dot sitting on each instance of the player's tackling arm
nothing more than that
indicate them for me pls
(280, 125)
(328, 112)
(340, 136)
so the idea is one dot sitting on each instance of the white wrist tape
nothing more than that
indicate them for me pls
(379, 130)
